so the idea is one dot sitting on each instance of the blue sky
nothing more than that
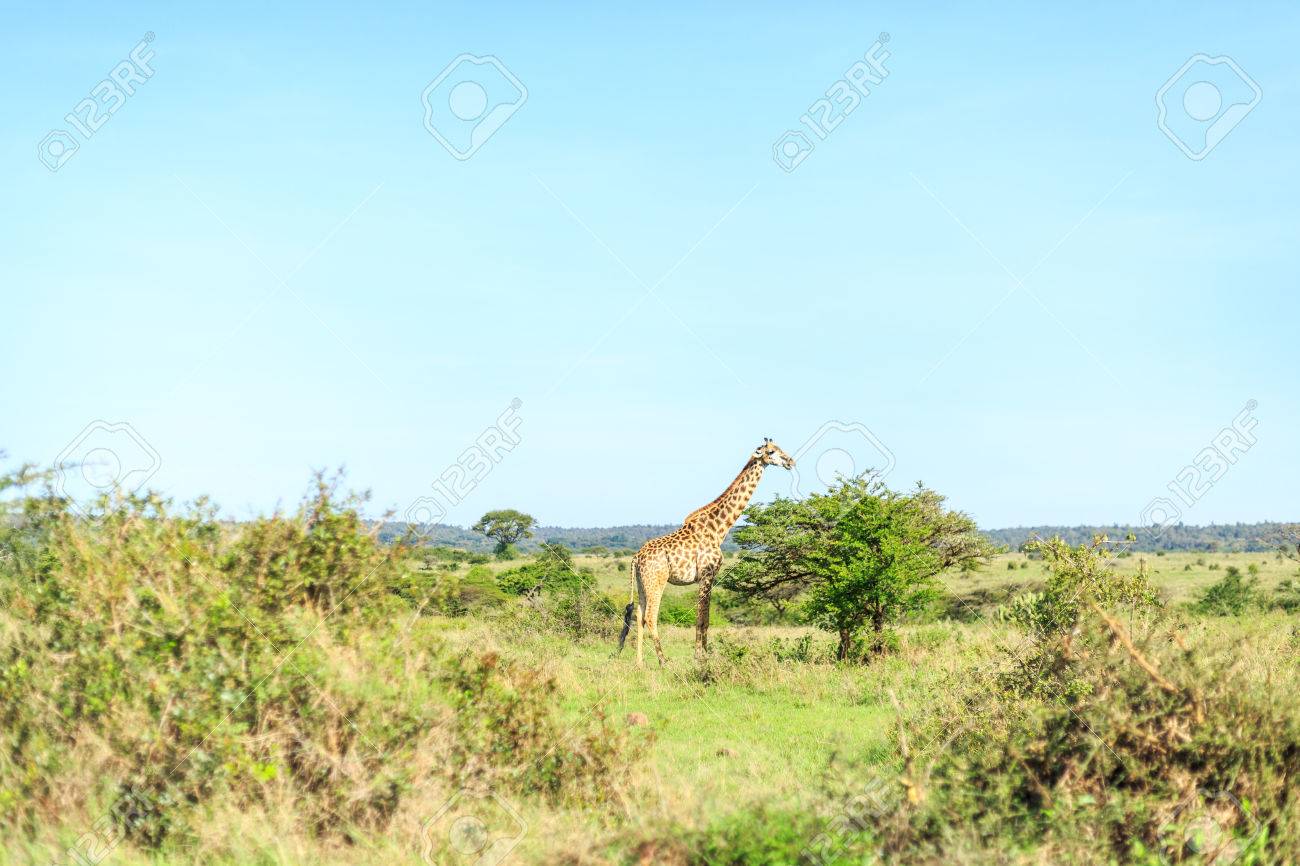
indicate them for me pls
(997, 263)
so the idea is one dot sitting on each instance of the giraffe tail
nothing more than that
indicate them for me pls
(631, 606)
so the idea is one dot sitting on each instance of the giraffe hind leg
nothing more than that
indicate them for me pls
(659, 650)
(652, 622)
(627, 625)
(640, 623)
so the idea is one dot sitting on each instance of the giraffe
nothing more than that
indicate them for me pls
(693, 554)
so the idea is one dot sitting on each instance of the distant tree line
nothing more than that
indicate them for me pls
(1245, 537)
(1228, 537)
(612, 538)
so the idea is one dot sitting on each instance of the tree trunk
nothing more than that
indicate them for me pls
(577, 614)
(846, 644)
(878, 631)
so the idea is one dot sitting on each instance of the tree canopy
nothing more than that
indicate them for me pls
(505, 527)
(858, 555)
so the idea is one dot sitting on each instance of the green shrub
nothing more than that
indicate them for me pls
(206, 662)
(526, 579)
(562, 598)
(506, 733)
(798, 650)
(762, 835)
(1100, 743)
(1129, 741)
(1231, 595)
(677, 610)
(1077, 577)
(1286, 596)
(574, 606)
(735, 608)
(476, 591)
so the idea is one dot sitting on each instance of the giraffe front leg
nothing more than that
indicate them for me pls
(702, 619)
(702, 607)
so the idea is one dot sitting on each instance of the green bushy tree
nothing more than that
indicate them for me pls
(567, 593)
(506, 527)
(1076, 576)
(1230, 595)
(858, 556)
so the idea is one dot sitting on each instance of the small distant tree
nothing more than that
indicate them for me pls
(1231, 595)
(506, 527)
(859, 556)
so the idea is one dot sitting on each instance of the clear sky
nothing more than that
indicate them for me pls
(996, 262)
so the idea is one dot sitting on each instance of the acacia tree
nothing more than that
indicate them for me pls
(506, 527)
(858, 555)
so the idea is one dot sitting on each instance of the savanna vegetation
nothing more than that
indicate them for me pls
(176, 689)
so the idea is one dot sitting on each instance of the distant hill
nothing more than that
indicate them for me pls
(611, 537)
(1226, 537)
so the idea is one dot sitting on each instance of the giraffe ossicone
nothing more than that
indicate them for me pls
(692, 554)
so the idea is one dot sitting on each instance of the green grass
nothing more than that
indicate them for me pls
(1178, 576)
(750, 734)
(759, 735)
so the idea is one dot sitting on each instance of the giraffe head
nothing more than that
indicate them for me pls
(770, 454)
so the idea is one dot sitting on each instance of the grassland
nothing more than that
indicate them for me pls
(707, 764)
(1179, 576)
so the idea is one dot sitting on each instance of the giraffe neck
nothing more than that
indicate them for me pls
(716, 519)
